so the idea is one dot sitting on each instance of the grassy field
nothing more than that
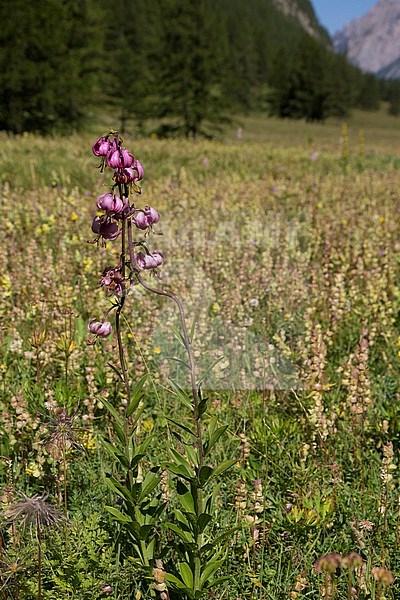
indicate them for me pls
(284, 247)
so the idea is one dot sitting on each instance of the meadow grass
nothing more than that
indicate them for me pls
(284, 246)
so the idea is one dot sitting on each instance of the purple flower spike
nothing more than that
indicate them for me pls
(119, 159)
(101, 328)
(102, 147)
(140, 220)
(151, 214)
(111, 203)
(149, 261)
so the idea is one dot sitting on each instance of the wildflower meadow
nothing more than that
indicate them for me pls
(200, 361)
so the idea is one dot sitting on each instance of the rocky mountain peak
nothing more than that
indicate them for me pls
(372, 42)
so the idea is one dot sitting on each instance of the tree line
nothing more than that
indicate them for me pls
(180, 63)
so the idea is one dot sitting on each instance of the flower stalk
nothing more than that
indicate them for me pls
(188, 466)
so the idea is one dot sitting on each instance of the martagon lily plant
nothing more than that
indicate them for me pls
(186, 561)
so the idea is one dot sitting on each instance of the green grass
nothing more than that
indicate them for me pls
(291, 268)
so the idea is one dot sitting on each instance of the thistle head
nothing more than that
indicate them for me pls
(383, 576)
(352, 560)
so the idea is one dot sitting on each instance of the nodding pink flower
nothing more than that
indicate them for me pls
(111, 203)
(101, 328)
(96, 224)
(146, 218)
(119, 158)
(151, 214)
(140, 220)
(102, 147)
(107, 229)
(149, 261)
(137, 165)
(131, 174)
(112, 279)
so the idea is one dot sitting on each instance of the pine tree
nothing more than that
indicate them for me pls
(305, 90)
(340, 87)
(369, 94)
(133, 29)
(47, 66)
(392, 96)
(186, 69)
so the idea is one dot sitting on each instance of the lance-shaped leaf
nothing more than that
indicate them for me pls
(175, 581)
(213, 439)
(209, 570)
(185, 536)
(118, 515)
(136, 396)
(186, 574)
(113, 411)
(224, 466)
(182, 395)
(149, 483)
(185, 498)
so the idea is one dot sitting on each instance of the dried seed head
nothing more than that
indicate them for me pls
(62, 433)
(352, 560)
(382, 575)
(33, 510)
(328, 563)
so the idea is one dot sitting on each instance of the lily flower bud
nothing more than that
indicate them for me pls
(100, 328)
(151, 214)
(140, 220)
(102, 146)
(149, 261)
(111, 203)
(119, 158)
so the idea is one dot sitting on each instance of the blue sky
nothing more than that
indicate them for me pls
(333, 14)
